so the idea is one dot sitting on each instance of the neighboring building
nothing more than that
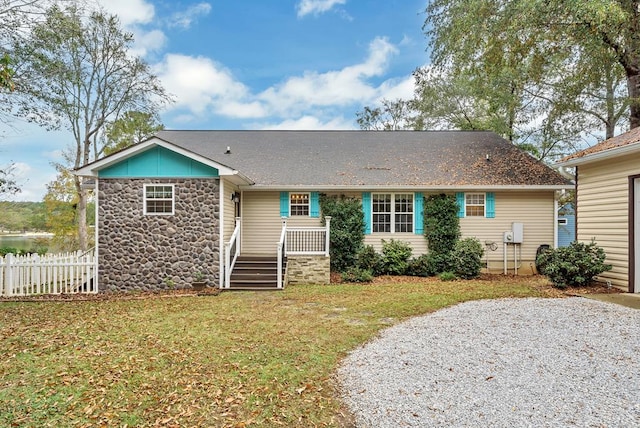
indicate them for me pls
(566, 225)
(168, 206)
(607, 203)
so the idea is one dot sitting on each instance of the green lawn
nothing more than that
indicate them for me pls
(237, 359)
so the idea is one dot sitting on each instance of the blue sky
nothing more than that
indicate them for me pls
(253, 64)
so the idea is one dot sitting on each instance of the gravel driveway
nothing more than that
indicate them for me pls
(503, 363)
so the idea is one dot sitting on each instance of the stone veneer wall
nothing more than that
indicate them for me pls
(150, 252)
(308, 270)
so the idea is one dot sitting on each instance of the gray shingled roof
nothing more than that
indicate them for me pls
(375, 158)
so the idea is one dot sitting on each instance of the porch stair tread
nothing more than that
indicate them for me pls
(255, 272)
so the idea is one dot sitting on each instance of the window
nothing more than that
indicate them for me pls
(158, 199)
(299, 204)
(474, 205)
(562, 221)
(392, 212)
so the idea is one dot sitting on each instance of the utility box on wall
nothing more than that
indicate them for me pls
(518, 232)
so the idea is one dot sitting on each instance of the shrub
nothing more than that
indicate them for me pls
(356, 274)
(467, 258)
(573, 266)
(6, 250)
(368, 259)
(441, 223)
(430, 264)
(347, 229)
(447, 276)
(420, 266)
(395, 257)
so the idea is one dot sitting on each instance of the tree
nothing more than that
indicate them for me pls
(6, 73)
(60, 202)
(79, 73)
(567, 54)
(8, 185)
(391, 116)
(132, 128)
(60, 212)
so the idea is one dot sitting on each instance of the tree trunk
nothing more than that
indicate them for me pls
(81, 215)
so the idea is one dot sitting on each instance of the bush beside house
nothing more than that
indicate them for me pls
(447, 252)
(573, 266)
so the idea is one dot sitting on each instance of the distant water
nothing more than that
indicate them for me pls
(21, 242)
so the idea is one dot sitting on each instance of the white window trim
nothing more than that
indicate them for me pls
(393, 211)
(173, 198)
(308, 204)
(484, 205)
(563, 221)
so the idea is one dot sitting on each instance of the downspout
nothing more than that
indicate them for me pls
(555, 220)
(566, 174)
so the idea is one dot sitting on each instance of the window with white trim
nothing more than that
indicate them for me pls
(392, 212)
(159, 199)
(299, 204)
(563, 221)
(474, 204)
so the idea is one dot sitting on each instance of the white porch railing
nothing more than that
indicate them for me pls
(296, 241)
(33, 274)
(309, 240)
(282, 252)
(231, 253)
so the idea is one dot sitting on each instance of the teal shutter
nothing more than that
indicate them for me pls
(490, 200)
(284, 204)
(314, 205)
(418, 203)
(366, 208)
(460, 201)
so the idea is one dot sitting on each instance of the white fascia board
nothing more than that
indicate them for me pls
(411, 187)
(603, 155)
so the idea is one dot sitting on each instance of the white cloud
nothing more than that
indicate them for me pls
(316, 7)
(200, 85)
(31, 180)
(185, 18)
(337, 88)
(203, 87)
(130, 12)
(309, 123)
(393, 89)
(148, 41)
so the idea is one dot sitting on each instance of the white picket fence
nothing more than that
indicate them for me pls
(31, 274)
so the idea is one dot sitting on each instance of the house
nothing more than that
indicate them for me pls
(607, 179)
(566, 224)
(242, 207)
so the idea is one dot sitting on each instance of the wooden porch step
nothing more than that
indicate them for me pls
(255, 272)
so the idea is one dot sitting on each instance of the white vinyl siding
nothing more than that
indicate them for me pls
(535, 209)
(228, 207)
(262, 224)
(603, 211)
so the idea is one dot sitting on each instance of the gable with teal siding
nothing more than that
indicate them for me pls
(158, 162)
